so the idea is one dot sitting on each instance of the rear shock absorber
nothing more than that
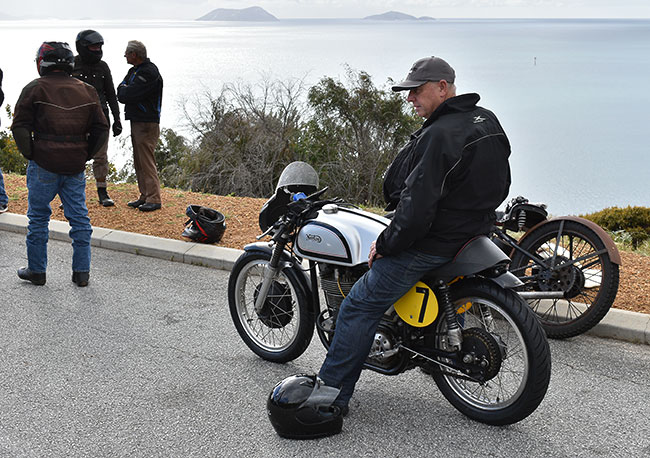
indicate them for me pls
(454, 333)
(521, 220)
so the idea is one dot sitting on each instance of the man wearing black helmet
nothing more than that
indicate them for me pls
(58, 125)
(90, 68)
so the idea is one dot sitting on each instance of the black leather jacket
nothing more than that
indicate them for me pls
(445, 184)
(98, 75)
(141, 92)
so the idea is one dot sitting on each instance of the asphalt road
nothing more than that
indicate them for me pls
(145, 362)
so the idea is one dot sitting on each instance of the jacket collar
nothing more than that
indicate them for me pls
(145, 61)
(459, 104)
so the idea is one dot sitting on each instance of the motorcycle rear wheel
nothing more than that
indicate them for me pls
(280, 332)
(525, 367)
(590, 285)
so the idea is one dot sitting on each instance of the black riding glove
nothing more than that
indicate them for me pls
(117, 128)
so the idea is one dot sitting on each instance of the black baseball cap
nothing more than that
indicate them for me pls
(426, 69)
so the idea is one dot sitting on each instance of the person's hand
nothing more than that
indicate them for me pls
(117, 128)
(373, 255)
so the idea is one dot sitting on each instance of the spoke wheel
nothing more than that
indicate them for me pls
(282, 330)
(572, 259)
(519, 379)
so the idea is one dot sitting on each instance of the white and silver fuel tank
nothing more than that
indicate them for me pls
(339, 235)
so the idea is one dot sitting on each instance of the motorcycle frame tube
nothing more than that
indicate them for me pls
(287, 258)
(610, 246)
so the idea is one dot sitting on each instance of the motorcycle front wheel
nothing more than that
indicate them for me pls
(572, 259)
(521, 358)
(282, 330)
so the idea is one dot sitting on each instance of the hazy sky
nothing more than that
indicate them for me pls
(191, 9)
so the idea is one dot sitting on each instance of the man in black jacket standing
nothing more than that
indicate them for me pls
(444, 186)
(90, 68)
(141, 92)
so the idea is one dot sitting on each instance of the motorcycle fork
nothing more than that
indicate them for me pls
(314, 287)
(270, 274)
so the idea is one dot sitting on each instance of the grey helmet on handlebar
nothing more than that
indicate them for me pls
(297, 177)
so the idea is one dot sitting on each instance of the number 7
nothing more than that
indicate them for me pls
(425, 300)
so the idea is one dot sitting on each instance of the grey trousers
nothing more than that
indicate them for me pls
(100, 165)
(144, 138)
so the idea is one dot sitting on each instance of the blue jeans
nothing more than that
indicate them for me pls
(4, 200)
(43, 186)
(361, 311)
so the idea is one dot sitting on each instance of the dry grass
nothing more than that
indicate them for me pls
(242, 226)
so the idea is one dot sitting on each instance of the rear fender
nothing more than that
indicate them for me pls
(610, 246)
(507, 280)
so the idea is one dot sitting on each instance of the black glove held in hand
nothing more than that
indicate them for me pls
(117, 128)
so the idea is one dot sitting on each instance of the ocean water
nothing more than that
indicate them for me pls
(571, 94)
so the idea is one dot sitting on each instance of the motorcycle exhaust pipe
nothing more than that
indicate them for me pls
(542, 294)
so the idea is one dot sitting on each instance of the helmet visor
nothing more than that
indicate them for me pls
(92, 38)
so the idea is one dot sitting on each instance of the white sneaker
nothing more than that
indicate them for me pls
(3, 208)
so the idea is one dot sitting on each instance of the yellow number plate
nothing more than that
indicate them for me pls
(418, 307)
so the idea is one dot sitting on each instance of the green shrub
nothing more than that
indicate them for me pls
(628, 225)
(11, 161)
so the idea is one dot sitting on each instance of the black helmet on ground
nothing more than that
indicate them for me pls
(89, 46)
(205, 224)
(301, 407)
(54, 55)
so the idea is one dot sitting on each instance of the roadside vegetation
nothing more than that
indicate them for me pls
(629, 226)
(241, 138)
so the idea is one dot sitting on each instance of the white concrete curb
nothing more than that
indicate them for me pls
(617, 324)
(145, 245)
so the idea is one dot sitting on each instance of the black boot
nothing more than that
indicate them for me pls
(37, 278)
(103, 198)
(81, 278)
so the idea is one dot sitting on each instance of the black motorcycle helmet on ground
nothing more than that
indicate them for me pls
(301, 407)
(86, 39)
(205, 224)
(54, 55)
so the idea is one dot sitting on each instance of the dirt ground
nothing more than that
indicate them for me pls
(242, 226)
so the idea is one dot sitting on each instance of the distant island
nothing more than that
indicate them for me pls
(254, 13)
(397, 16)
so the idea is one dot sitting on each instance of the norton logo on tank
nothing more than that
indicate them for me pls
(314, 238)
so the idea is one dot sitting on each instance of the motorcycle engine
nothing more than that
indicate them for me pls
(336, 283)
(384, 352)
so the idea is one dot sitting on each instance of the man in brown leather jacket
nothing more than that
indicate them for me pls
(58, 125)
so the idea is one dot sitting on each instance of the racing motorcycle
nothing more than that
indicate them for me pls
(462, 324)
(569, 266)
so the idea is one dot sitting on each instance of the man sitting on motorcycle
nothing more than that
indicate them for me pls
(444, 187)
